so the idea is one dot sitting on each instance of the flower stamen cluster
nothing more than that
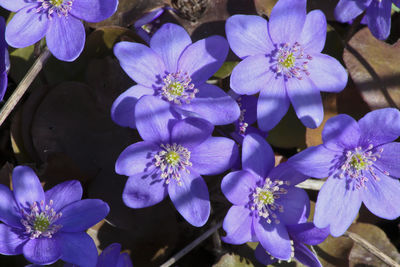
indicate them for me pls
(291, 61)
(178, 88)
(359, 160)
(242, 124)
(263, 199)
(40, 221)
(58, 7)
(171, 160)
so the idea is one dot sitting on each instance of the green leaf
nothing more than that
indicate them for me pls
(226, 69)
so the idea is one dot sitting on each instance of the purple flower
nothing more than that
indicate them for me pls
(248, 116)
(4, 60)
(282, 60)
(264, 199)
(377, 16)
(362, 164)
(47, 226)
(110, 257)
(145, 26)
(58, 20)
(175, 70)
(171, 160)
(300, 234)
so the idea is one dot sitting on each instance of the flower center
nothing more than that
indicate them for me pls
(358, 161)
(56, 3)
(291, 61)
(54, 7)
(171, 160)
(39, 222)
(288, 62)
(263, 199)
(178, 88)
(266, 197)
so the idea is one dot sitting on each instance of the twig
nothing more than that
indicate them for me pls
(311, 184)
(192, 245)
(24, 85)
(371, 248)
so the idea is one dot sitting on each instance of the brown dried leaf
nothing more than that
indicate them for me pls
(374, 68)
(373, 234)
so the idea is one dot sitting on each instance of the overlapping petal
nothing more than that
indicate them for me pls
(94, 10)
(203, 58)
(274, 238)
(378, 18)
(213, 156)
(13, 5)
(214, 105)
(287, 20)
(191, 198)
(42, 251)
(257, 155)
(238, 186)
(153, 119)
(169, 42)
(65, 37)
(27, 187)
(387, 131)
(9, 210)
(144, 190)
(305, 256)
(251, 75)
(262, 256)
(337, 205)
(11, 242)
(316, 161)
(64, 194)
(249, 105)
(346, 10)
(306, 100)
(307, 233)
(248, 35)
(80, 215)
(3, 84)
(296, 205)
(136, 158)
(340, 133)
(382, 197)
(78, 248)
(140, 62)
(29, 24)
(123, 108)
(238, 225)
(191, 132)
(313, 36)
(286, 172)
(390, 160)
(327, 74)
(273, 104)
(109, 256)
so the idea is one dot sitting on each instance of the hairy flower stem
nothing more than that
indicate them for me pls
(24, 85)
